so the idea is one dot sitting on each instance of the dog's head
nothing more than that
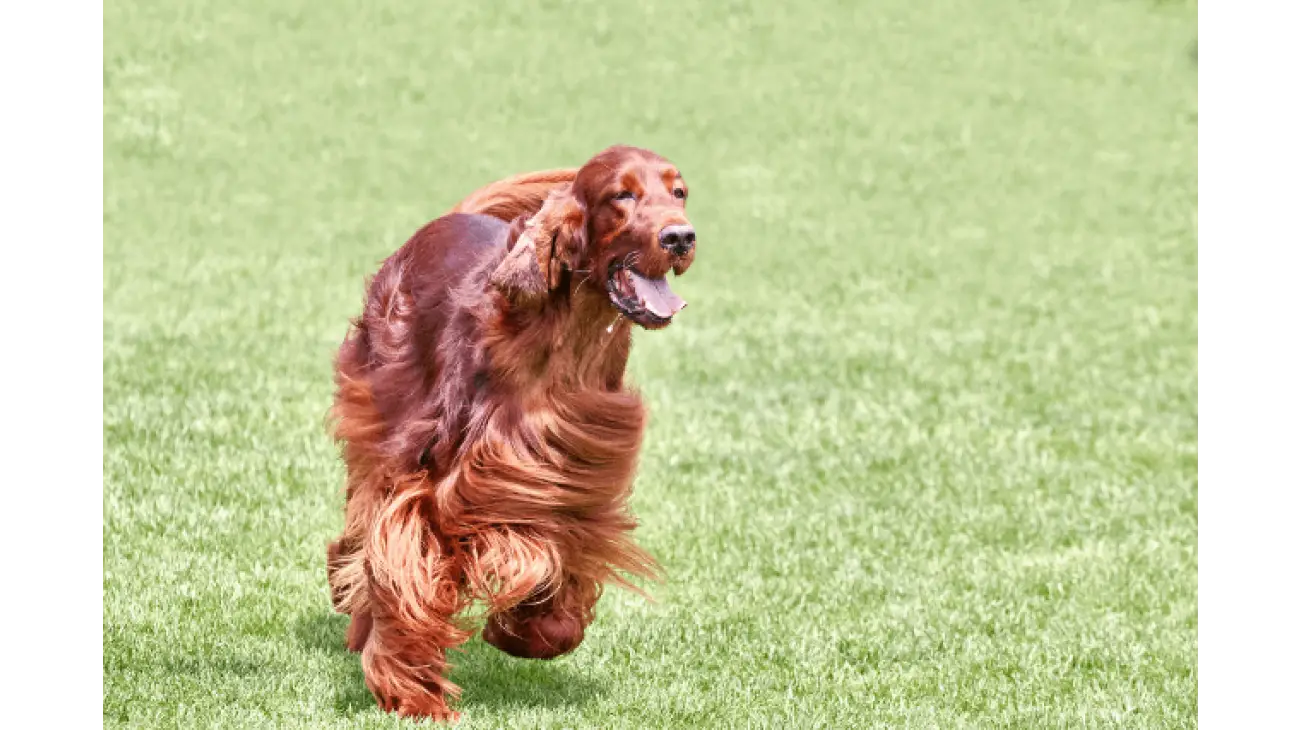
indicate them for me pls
(621, 225)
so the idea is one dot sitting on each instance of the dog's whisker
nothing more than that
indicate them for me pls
(586, 278)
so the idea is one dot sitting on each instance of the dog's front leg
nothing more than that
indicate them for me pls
(414, 596)
(405, 663)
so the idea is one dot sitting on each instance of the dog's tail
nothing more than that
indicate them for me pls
(515, 196)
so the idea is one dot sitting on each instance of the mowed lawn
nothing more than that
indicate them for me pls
(924, 445)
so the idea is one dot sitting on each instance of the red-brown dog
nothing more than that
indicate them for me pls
(489, 439)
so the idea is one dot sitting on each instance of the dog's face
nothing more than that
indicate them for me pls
(621, 227)
(636, 231)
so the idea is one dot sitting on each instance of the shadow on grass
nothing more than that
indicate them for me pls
(323, 633)
(205, 667)
(487, 677)
(490, 678)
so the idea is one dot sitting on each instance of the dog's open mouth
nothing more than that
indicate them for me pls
(648, 302)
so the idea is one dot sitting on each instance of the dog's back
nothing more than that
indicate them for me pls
(411, 306)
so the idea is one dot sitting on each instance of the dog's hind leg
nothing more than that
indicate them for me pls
(348, 592)
(359, 631)
(359, 427)
(346, 568)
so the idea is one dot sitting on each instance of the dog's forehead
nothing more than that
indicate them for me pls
(627, 167)
(644, 173)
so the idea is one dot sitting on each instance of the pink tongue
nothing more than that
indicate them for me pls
(658, 298)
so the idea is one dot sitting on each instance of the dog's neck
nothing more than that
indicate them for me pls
(574, 342)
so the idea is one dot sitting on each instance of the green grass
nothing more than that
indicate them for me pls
(924, 446)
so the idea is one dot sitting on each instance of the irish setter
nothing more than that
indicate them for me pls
(489, 437)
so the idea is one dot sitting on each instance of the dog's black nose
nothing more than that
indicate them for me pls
(679, 239)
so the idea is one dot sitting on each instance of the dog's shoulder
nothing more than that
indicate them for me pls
(447, 252)
(457, 241)
(475, 229)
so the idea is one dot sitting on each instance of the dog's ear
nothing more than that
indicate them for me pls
(518, 276)
(562, 241)
(553, 240)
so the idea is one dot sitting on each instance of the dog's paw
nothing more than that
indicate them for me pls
(431, 706)
(537, 637)
(437, 714)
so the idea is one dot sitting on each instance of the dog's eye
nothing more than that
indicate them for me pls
(625, 195)
(679, 193)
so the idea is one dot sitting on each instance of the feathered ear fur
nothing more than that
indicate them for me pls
(553, 240)
(519, 276)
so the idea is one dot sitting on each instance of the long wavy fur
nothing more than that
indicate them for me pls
(517, 501)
